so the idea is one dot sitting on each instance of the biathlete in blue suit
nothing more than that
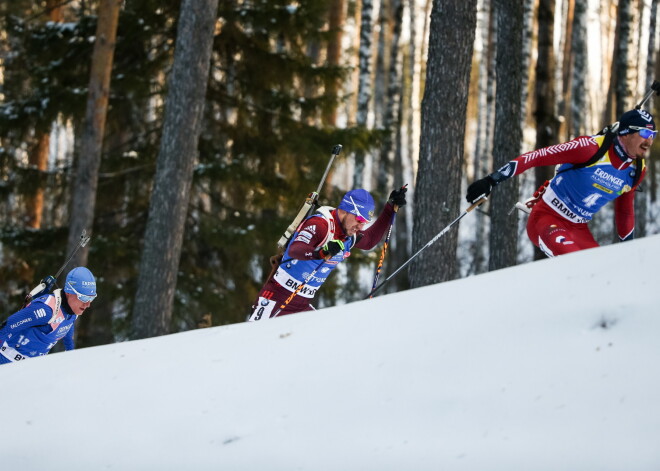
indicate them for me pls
(322, 241)
(35, 329)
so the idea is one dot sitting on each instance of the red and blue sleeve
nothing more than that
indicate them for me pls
(311, 234)
(368, 239)
(576, 151)
(624, 212)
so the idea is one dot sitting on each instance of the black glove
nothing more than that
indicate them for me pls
(479, 188)
(398, 197)
(331, 249)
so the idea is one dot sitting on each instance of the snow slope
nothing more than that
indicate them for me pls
(553, 365)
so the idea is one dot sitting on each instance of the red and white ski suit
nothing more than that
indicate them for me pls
(558, 222)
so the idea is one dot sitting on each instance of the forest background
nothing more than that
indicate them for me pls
(183, 136)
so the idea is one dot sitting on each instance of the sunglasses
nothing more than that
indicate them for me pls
(644, 132)
(82, 297)
(358, 216)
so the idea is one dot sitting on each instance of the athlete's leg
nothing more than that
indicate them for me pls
(272, 297)
(556, 236)
(262, 309)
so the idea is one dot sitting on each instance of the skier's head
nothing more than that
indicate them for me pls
(639, 121)
(81, 283)
(360, 203)
(636, 132)
(355, 210)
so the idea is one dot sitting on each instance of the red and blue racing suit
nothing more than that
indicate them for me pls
(301, 259)
(558, 222)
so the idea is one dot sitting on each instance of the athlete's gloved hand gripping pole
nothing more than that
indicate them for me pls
(397, 199)
(481, 188)
(480, 200)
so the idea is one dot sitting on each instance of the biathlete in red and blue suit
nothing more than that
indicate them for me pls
(558, 221)
(322, 241)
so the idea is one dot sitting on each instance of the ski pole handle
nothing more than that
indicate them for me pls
(477, 203)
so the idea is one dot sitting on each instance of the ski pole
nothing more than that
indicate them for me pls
(655, 88)
(474, 205)
(385, 246)
(49, 281)
(81, 243)
(382, 254)
(300, 287)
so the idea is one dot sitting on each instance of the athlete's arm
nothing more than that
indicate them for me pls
(33, 315)
(577, 151)
(311, 235)
(68, 339)
(624, 213)
(368, 238)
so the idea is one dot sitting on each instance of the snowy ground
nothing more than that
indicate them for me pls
(550, 366)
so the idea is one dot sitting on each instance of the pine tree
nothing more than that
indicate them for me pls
(437, 193)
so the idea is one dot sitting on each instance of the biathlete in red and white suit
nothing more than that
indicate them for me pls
(558, 222)
(323, 240)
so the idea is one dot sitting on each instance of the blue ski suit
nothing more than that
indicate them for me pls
(35, 329)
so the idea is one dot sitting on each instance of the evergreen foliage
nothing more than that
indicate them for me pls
(262, 151)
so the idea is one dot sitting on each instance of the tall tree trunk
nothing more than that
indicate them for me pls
(407, 149)
(83, 199)
(508, 133)
(547, 123)
(563, 64)
(336, 24)
(38, 157)
(491, 86)
(653, 73)
(55, 10)
(578, 105)
(623, 68)
(641, 210)
(400, 233)
(38, 160)
(528, 32)
(380, 74)
(364, 85)
(152, 310)
(393, 99)
(620, 86)
(414, 73)
(444, 108)
(482, 163)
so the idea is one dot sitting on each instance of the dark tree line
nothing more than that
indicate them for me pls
(186, 162)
